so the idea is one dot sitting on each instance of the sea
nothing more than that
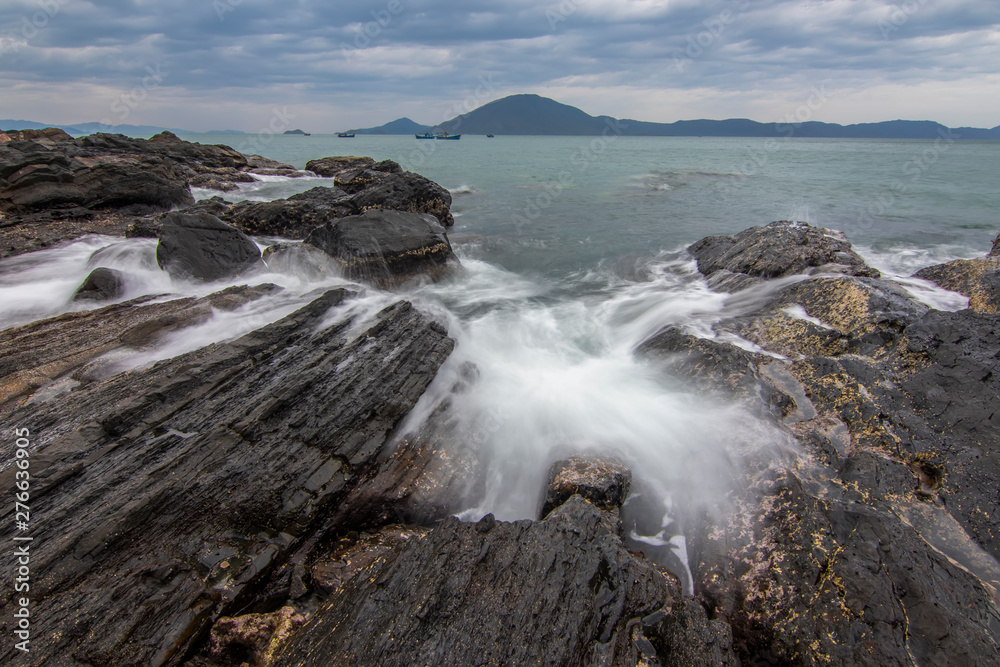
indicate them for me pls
(573, 253)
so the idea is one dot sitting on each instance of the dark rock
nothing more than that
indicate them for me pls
(149, 226)
(353, 181)
(995, 252)
(103, 284)
(563, 591)
(255, 162)
(977, 279)
(165, 496)
(331, 166)
(407, 192)
(388, 166)
(292, 218)
(200, 246)
(37, 354)
(386, 248)
(603, 482)
(779, 249)
(253, 638)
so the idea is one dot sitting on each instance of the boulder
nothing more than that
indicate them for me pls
(199, 246)
(604, 482)
(386, 248)
(291, 218)
(407, 192)
(977, 279)
(779, 249)
(48, 134)
(331, 166)
(103, 284)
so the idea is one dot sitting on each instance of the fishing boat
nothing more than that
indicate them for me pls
(489, 136)
(346, 135)
(449, 137)
(425, 135)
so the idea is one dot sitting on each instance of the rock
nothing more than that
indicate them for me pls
(199, 246)
(149, 226)
(103, 284)
(253, 638)
(353, 181)
(292, 218)
(303, 259)
(388, 166)
(386, 248)
(70, 345)
(50, 134)
(498, 593)
(779, 249)
(407, 192)
(256, 162)
(995, 252)
(166, 496)
(331, 166)
(603, 482)
(44, 179)
(978, 279)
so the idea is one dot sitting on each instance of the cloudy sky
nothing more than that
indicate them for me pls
(213, 64)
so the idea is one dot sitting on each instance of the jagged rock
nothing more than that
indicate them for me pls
(407, 192)
(165, 496)
(199, 246)
(388, 166)
(386, 248)
(604, 482)
(102, 284)
(294, 217)
(253, 638)
(331, 166)
(563, 591)
(37, 354)
(995, 252)
(48, 134)
(978, 279)
(779, 249)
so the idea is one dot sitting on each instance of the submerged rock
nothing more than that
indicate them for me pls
(386, 248)
(102, 284)
(199, 246)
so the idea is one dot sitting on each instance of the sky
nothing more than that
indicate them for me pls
(327, 66)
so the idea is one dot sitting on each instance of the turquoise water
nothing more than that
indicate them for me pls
(558, 204)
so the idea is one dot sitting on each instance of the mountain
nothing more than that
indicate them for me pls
(398, 126)
(303, 132)
(92, 127)
(536, 115)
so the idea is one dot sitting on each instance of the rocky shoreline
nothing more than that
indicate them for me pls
(255, 501)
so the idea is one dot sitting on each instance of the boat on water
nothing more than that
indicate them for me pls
(346, 135)
(425, 135)
(490, 135)
(449, 137)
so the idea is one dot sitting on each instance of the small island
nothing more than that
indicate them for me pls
(305, 134)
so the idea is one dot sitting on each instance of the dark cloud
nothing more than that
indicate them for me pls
(420, 54)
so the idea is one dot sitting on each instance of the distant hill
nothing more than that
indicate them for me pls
(302, 132)
(91, 128)
(536, 115)
(398, 126)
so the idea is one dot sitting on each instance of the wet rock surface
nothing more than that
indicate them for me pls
(462, 594)
(871, 542)
(166, 496)
(386, 248)
(199, 246)
(103, 284)
(604, 482)
(978, 279)
(779, 249)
